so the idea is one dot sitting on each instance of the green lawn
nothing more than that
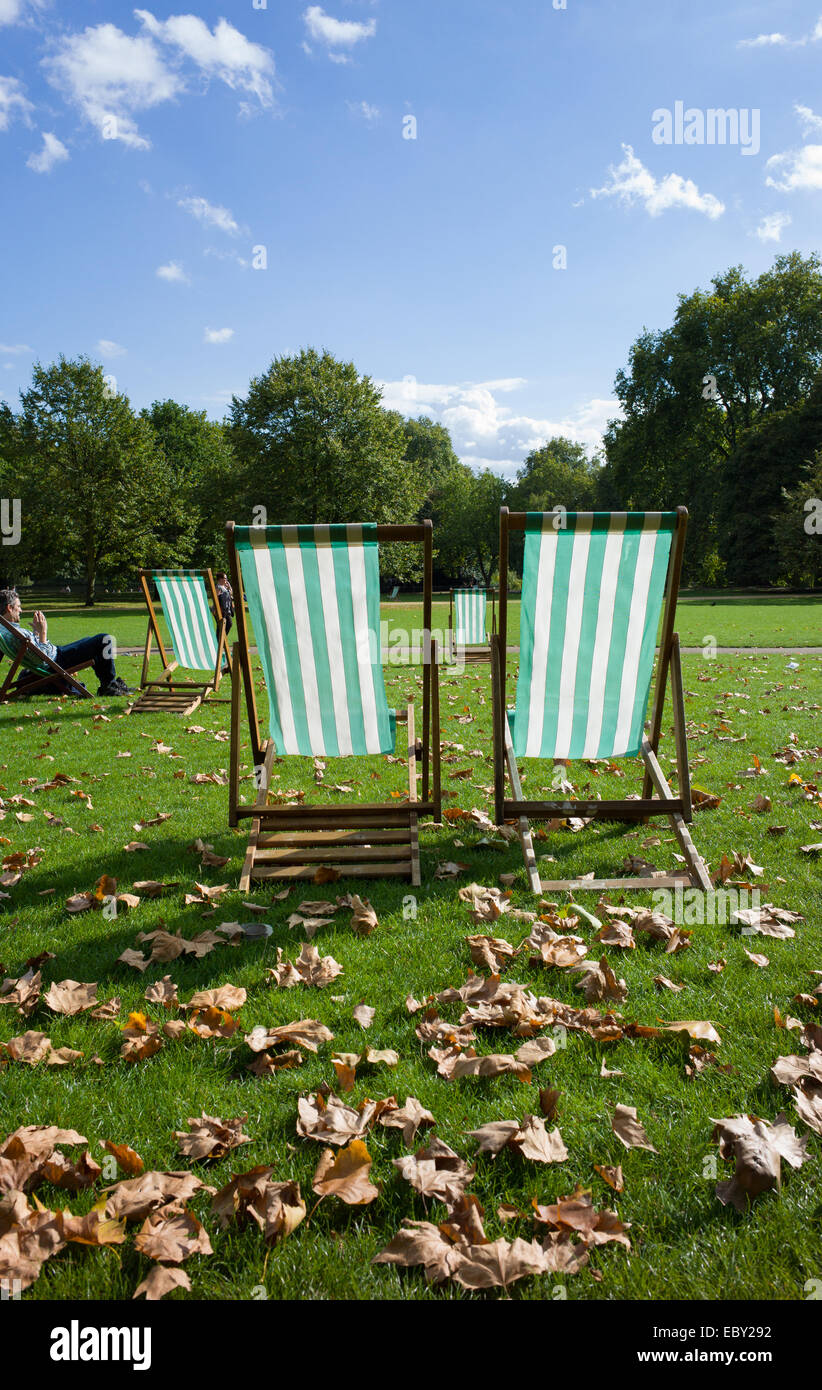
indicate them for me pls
(685, 1243)
(733, 620)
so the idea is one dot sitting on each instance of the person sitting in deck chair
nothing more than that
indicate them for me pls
(98, 649)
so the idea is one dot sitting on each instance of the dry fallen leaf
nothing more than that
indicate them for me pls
(757, 1146)
(210, 1137)
(530, 1139)
(346, 1175)
(275, 1207)
(409, 1118)
(161, 1280)
(628, 1129)
(172, 1237)
(70, 997)
(436, 1171)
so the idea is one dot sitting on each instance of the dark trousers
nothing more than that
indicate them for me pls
(92, 649)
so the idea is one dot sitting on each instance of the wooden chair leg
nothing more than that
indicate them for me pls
(416, 879)
(522, 824)
(696, 865)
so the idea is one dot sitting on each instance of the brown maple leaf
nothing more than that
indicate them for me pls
(172, 1236)
(346, 1174)
(628, 1129)
(210, 1137)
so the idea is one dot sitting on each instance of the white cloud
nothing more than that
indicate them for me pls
(218, 335)
(780, 40)
(52, 153)
(765, 41)
(772, 226)
(631, 182)
(811, 124)
(797, 170)
(16, 349)
(225, 53)
(336, 33)
(476, 419)
(213, 215)
(362, 108)
(107, 348)
(173, 272)
(10, 11)
(110, 75)
(12, 101)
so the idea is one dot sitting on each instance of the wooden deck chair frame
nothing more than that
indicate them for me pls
(359, 839)
(166, 694)
(471, 653)
(677, 808)
(10, 689)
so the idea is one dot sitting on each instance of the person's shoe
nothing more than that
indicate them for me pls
(116, 687)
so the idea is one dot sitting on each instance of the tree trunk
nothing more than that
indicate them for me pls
(91, 579)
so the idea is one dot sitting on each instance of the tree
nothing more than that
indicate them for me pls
(798, 529)
(733, 356)
(466, 523)
(97, 491)
(766, 467)
(315, 445)
(557, 474)
(204, 474)
(430, 453)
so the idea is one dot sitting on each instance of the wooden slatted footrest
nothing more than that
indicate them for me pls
(183, 702)
(300, 850)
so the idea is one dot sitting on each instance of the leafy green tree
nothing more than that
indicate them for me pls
(798, 529)
(204, 472)
(466, 523)
(733, 356)
(97, 490)
(430, 453)
(559, 473)
(315, 445)
(767, 465)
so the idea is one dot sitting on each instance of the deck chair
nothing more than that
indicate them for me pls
(27, 660)
(314, 603)
(467, 610)
(592, 591)
(189, 602)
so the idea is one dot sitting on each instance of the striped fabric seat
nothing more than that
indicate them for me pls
(314, 598)
(10, 646)
(189, 618)
(469, 617)
(592, 592)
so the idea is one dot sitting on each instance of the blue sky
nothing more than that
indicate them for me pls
(149, 154)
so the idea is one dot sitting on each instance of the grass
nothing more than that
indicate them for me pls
(685, 1243)
(732, 619)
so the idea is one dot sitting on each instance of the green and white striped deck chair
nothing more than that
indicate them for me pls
(313, 597)
(467, 618)
(198, 639)
(40, 673)
(593, 588)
